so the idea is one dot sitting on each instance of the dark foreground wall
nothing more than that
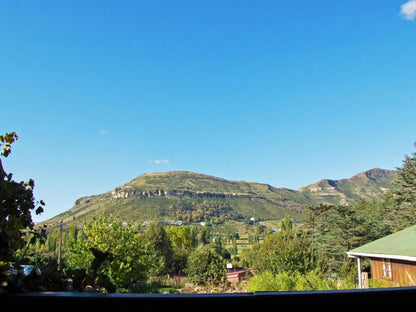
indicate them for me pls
(270, 301)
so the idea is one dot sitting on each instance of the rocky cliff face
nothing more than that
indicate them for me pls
(163, 194)
(128, 191)
(371, 183)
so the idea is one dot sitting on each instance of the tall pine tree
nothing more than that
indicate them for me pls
(404, 192)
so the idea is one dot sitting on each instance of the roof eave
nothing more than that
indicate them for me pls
(385, 256)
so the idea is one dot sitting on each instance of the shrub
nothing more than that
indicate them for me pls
(205, 266)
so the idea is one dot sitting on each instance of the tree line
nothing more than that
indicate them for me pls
(313, 256)
(106, 254)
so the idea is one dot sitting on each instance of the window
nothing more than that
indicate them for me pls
(386, 269)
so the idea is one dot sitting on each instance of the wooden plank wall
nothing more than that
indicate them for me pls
(403, 273)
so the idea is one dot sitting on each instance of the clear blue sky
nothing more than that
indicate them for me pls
(277, 92)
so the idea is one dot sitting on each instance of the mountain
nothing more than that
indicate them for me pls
(195, 197)
(369, 184)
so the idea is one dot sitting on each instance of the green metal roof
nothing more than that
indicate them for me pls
(399, 245)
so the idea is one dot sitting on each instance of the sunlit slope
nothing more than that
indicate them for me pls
(369, 184)
(194, 197)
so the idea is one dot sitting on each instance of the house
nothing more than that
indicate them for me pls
(393, 258)
(235, 275)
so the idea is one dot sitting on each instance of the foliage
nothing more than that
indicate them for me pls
(162, 255)
(206, 266)
(287, 250)
(296, 281)
(17, 202)
(111, 255)
(337, 229)
(376, 217)
(18, 233)
(184, 240)
(404, 192)
(268, 281)
(204, 208)
(405, 183)
(109, 249)
(334, 230)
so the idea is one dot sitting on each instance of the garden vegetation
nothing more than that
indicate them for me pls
(108, 255)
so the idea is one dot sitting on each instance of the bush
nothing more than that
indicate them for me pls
(267, 281)
(111, 252)
(205, 266)
(285, 281)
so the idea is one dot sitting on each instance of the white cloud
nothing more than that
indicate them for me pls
(103, 132)
(164, 161)
(408, 10)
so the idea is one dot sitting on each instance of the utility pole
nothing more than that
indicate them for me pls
(60, 244)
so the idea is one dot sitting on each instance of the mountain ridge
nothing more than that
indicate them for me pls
(194, 197)
(371, 183)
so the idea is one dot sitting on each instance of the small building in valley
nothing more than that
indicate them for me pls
(234, 276)
(393, 258)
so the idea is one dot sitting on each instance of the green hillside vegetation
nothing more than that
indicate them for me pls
(373, 183)
(108, 254)
(193, 197)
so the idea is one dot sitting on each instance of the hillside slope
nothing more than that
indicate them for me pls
(369, 184)
(195, 197)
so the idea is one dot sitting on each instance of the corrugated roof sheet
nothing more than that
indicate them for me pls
(401, 243)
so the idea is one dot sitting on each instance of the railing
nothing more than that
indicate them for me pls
(271, 301)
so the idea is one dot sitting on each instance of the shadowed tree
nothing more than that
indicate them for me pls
(16, 204)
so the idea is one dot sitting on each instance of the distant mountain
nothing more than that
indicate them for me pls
(369, 184)
(195, 197)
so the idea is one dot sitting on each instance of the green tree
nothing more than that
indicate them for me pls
(206, 266)
(405, 182)
(377, 218)
(334, 230)
(286, 225)
(204, 235)
(17, 203)
(404, 193)
(234, 250)
(110, 250)
(18, 235)
(286, 250)
(73, 234)
(182, 240)
(162, 248)
(52, 241)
